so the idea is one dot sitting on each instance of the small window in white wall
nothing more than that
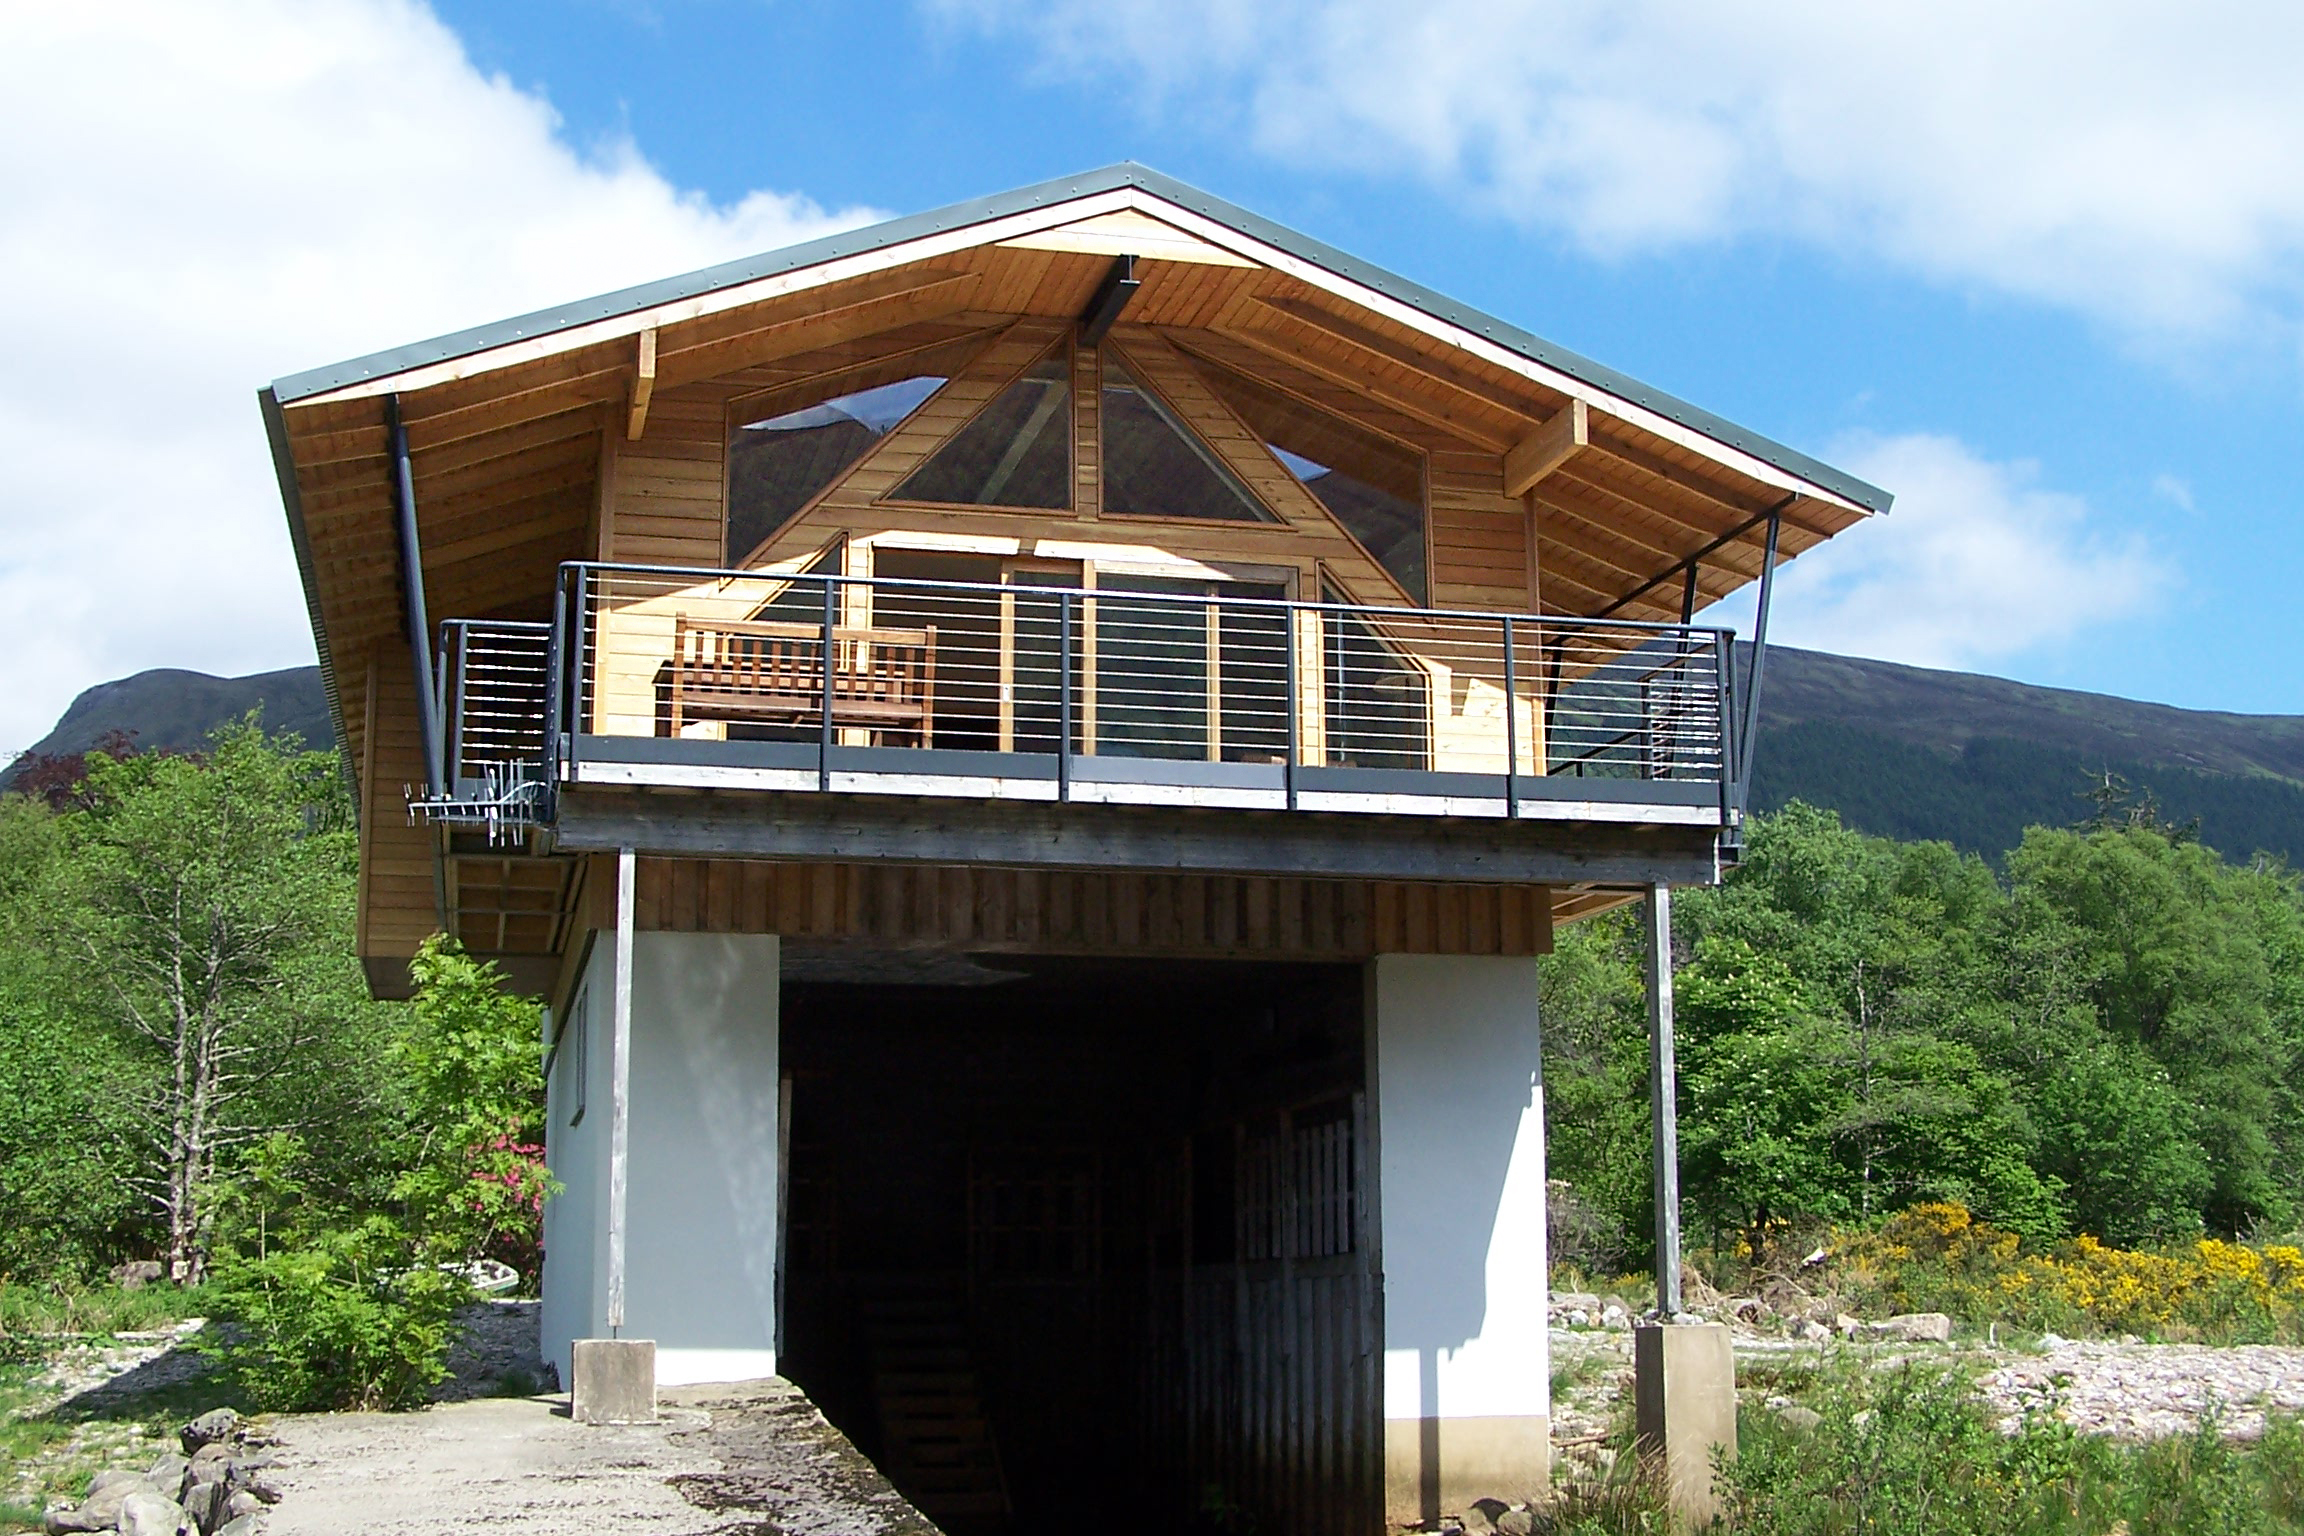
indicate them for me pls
(575, 1056)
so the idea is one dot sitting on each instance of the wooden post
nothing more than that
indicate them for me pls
(1663, 1089)
(1007, 736)
(620, 1089)
(1214, 641)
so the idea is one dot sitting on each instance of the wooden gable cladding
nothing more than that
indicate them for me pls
(399, 891)
(1037, 912)
(663, 495)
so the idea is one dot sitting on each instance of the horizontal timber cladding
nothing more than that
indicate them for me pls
(1100, 913)
(400, 895)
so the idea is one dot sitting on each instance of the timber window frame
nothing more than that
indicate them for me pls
(1051, 371)
(873, 399)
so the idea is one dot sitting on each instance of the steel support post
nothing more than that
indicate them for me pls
(1663, 1089)
(1759, 653)
(620, 1089)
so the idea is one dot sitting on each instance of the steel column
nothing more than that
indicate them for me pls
(1064, 696)
(1759, 659)
(1295, 704)
(620, 1089)
(1663, 1090)
(1511, 726)
(831, 647)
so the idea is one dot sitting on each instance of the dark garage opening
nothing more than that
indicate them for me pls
(1086, 1240)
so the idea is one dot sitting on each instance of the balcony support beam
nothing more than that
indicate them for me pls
(1086, 836)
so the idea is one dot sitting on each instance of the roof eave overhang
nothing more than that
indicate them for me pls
(920, 237)
(292, 502)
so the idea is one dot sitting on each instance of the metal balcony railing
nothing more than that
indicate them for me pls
(1203, 689)
(492, 678)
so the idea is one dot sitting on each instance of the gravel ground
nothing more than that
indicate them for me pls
(2147, 1391)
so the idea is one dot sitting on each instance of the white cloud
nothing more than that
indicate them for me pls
(1977, 564)
(196, 198)
(2133, 159)
(2176, 490)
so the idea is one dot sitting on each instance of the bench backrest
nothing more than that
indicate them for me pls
(763, 656)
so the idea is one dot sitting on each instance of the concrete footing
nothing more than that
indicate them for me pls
(1684, 1399)
(615, 1381)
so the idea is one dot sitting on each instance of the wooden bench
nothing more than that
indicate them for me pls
(754, 672)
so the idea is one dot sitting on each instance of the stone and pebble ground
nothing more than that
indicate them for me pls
(108, 1386)
(492, 1451)
(2126, 1388)
(761, 1450)
(217, 1487)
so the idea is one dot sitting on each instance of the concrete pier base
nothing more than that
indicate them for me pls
(614, 1382)
(1684, 1400)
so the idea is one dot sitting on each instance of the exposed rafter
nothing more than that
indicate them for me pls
(643, 386)
(1547, 448)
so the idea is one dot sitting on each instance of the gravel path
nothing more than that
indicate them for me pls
(725, 1461)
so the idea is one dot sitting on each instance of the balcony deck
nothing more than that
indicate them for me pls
(850, 716)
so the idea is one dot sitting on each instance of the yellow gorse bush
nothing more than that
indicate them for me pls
(1938, 1257)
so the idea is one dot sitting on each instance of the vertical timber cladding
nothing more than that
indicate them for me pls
(1093, 913)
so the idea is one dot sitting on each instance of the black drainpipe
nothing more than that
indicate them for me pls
(412, 587)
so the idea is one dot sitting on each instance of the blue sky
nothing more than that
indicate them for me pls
(2081, 357)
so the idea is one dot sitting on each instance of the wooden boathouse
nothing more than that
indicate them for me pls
(1030, 751)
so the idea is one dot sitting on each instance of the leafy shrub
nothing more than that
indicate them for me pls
(342, 1319)
(1937, 1257)
(333, 1304)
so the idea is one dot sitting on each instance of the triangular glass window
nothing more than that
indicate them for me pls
(1370, 484)
(1155, 467)
(779, 464)
(1016, 453)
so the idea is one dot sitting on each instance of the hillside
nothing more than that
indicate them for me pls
(1903, 751)
(1915, 753)
(174, 710)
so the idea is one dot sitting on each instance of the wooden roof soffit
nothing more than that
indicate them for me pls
(1128, 232)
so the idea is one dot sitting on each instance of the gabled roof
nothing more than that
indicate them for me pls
(545, 325)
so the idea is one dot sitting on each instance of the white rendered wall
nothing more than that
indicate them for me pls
(576, 1150)
(1458, 1077)
(700, 1235)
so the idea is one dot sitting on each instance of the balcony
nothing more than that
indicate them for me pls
(1164, 690)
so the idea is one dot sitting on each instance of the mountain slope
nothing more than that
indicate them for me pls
(1910, 752)
(174, 710)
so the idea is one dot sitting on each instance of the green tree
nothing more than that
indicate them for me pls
(2176, 957)
(205, 906)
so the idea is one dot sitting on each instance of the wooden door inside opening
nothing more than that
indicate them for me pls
(1119, 1212)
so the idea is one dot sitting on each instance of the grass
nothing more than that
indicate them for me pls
(1911, 1451)
(66, 1308)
